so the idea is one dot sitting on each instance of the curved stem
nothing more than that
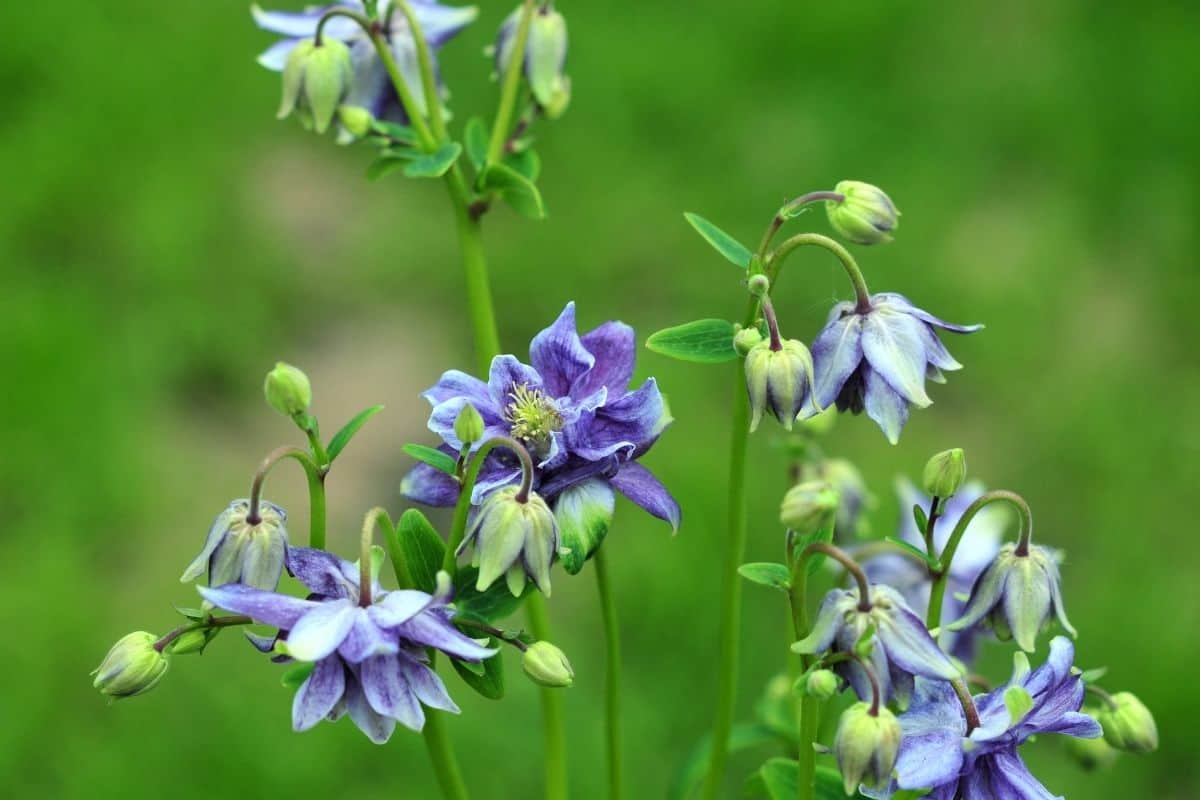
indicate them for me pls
(362, 21)
(873, 677)
(935, 511)
(375, 515)
(861, 292)
(768, 310)
(265, 467)
(433, 100)
(208, 622)
(491, 630)
(844, 558)
(612, 686)
(553, 730)
(458, 526)
(1104, 696)
(938, 592)
(787, 212)
(512, 82)
(968, 704)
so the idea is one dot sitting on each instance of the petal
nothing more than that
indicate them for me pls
(432, 487)
(910, 647)
(322, 572)
(440, 23)
(319, 693)
(1060, 610)
(939, 356)
(507, 373)
(319, 632)
(428, 687)
(495, 474)
(216, 533)
(399, 607)
(225, 566)
(387, 691)
(275, 57)
(302, 23)
(262, 560)
(431, 630)
(622, 424)
(1026, 602)
(614, 348)
(931, 758)
(829, 622)
(639, 485)
(270, 608)
(377, 727)
(903, 304)
(984, 595)
(836, 353)
(1011, 780)
(366, 640)
(584, 513)
(893, 345)
(884, 405)
(444, 415)
(456, 383)
(559, 355)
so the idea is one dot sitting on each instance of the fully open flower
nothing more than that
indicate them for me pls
(877, 360)
(371, 87)
(573, 410)
(368, 660)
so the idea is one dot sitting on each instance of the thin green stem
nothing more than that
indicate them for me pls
(788, 212)
(845, 559)
(375, 516)
(198, 625)
(775, 262)
(425, 137)
(264, 468)
(512, 82)
(433, 100)
(475, 272)
(316, 509)
(363, 22)
(806, 756)
(441, 756)
(458, 525)
(553, 730)
(612, 686)
(313, 434)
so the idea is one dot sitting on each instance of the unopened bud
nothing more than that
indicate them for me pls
(1091, 754)
(807, 506)
(356, 120)
(745, 340)
(1128, 724)
(191, 642)
(945, 473)
(821, 684)
(287, 390)
(865, 215)
(132, 666)
(468, 425)
(866, 746)
(778, 381)
(316, 78)
(547, 665)
(758, 285)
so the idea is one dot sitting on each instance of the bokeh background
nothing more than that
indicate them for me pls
(163, 240)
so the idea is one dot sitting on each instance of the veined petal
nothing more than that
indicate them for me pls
(893, 345)
(262, 560)
(558, 354)
(639, 485)
(386, 688)
(836, 353)
(622, 424)
(614, 348)
(319, 693)
(929, 758)
(399, 607)
(376, 726)
(1026, 602)
(319, 632)
(225, 566)
(366, 640)
(322, 572)
(1011, 779)
(427, 686)
(584, 513)
(216, 533)
(1060, 610)
(986, 592)
(884, 405)
(430, 630)
(507, 373)
(456, 383)
(910, 647)
(444, 414)
(830, 619)
(432, 487)
(440, 23)
(270, 608)
(303, 23)
(939, 357)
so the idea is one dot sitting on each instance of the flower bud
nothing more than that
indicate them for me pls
(515, 538)
(1091, 754)
(545, 57)
(745, 340)
(1128, 724)
(778, 381)
(821, 684)
(945, 473)
(355, 120)
(807, 506)
(865, 215)
(468, 425)
(193, 641)
(866, 746)
(131, 667)
(287, 390)
(758, 285)
(546, 665)
(316, 79)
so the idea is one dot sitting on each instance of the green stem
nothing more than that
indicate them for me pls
(861, 292)
(512, 82)
(806, 756)
(201, 624)
(612, 687)
(433, 100)
(458, 525)
(478, 285)
(316, 509)
(553, 730)
(375, 515)
(425, 137)
(788, 211)
(316, 490)
(441, 756)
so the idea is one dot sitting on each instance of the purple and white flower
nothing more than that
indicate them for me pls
(241, 550)
(372, 89)
(877, 360)
(575, 413)
(369, 661)
(939, 753)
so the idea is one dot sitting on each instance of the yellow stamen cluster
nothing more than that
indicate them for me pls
(533, 416)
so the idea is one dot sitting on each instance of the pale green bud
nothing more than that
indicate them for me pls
(1128, 724)
(356, 120)
(132, 666)
(316, 78)
(468, 425)
(778, 381)
(758, 285)
(821, 684)
(514, 538)
(945, 473)
(807, 506)
(546, 665)
(865, 215)
(866, 746)
(1091, 754)
(191, 642)
(546, 56)
(746, 339)
(287, 390)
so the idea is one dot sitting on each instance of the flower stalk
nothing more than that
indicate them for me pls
(612, 686)
(316, 490)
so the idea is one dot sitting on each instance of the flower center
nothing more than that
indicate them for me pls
(533, 417)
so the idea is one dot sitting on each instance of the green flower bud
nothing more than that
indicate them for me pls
(468, 425)
(316, 79)
(865, 215)
(945, 473)
(758, 285)
(191, 642)
(1128, 724)
(546, 665)
(821, 684)
(746, 339)
(513, 538)
(546, 55)
(807, 506)
(356, 120)
(778, 381)
(131, 667)
(287, 390)
(866, 746)
(1091, 754)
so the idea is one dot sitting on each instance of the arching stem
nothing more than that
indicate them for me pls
(968, 704)
(316, 490)
(375, 516)
(462, 509)
(776, 259)
(788, 212)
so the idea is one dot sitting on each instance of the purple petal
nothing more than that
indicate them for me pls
(377, 727)
(893, 345)
(263, 644)
(1009, 779)
(428, 687)
(614, 348)
(270, 608)
(319, 693)
(319, 632)
(387, 691)
(366, 640)
(929, 759)
(440, 23)
(559, 355)
(507, 373)
(322, 572)
(432, 487)
(902, 303)
(908, 643)
(639, 485)
(884, 405)
(399, 607)
(621, 425)
(836, 353)
(939, 356)
(303, 23)
(455, 383)
(431, 630)
(830, 619)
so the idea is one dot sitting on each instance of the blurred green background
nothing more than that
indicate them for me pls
(163, 241)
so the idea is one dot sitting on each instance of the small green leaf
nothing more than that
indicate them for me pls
(691, 772)
(387, 164)
(920, 518)
(434, 458)
(1088, 676)
(397, 133)
(912, 550)
(297, 675)
(778, 778)
(436, 164)
(419, 548)
(489, 606)
(777, 576)
(736, 252)
(704, 341)
(490, 683)
(475, 139)
(515, 189)
(194, 614)
(525, 162)
(342, 438)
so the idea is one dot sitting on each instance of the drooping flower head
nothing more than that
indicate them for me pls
(369, 661)
(515, 538)
(243, 550)
(877, 359)
(545, 57)
(572, 408)
(940, 753)
(371, 88)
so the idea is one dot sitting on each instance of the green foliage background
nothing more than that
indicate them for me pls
(163, 241)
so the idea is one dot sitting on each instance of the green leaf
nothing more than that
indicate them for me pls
(703, 341)
(920, 518)
(297, 675)
(822, 534)
(515, 189)
(475, 138)
(914, 551)
(777, 576)
(691, 772)
(419, 548)
(1087, 676)
(526, 162)
(434, 165)
(777, 778)
(395, 132)
(490, 683)
(434, 458)
(194, 614)
(736, 252)
(489, 606)
(342, 438)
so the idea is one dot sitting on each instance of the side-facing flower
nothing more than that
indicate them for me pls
(369, 660)
(957, 762)
(241, 550)
(371, 88)
(902, 647)
(545, 57)
(878, 358)
(515, 537)
(574, 412)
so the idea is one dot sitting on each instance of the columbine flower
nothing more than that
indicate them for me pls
(867, 741)
(315, 81)
(545, 57)
(976, 550)
(239, 550)
(902, 649)
(877, 359)
(778, 380)
(574, 412)
(1017, 594)
(939, 753)
(371, 88)
(369, 661)
(515, 537)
